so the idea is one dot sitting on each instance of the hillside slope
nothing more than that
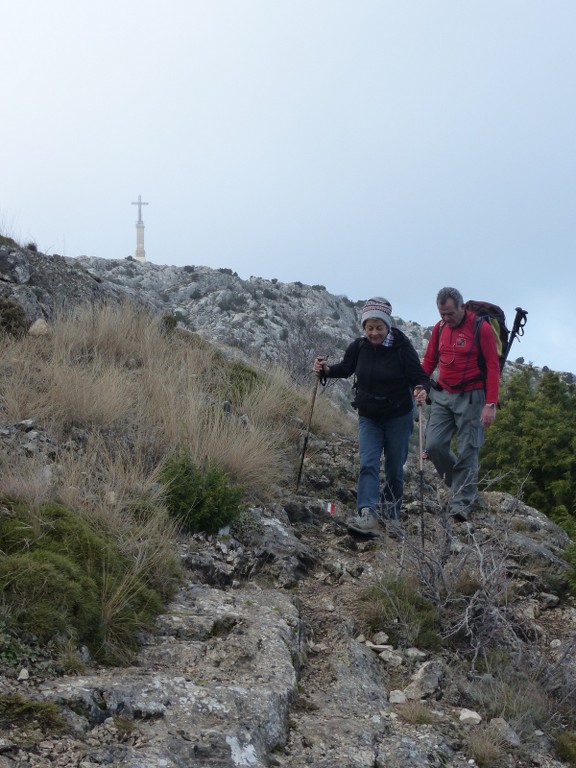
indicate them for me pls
(289, 642)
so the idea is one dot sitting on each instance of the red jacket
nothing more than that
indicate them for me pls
(455, 352)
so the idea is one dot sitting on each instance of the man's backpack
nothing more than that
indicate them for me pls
(495, 316)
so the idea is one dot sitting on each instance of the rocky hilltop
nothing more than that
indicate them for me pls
(267, 319)
(264, 320)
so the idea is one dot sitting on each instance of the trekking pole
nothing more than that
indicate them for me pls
(307, 435)
(517, 329)
(421, 472)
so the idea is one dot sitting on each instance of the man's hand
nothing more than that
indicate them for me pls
(488, 414)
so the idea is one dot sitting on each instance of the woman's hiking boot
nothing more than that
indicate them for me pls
(365, 523)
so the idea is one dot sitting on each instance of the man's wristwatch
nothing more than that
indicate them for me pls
(490, 405)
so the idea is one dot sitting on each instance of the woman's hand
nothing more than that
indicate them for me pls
(320, 366)
(419, 394)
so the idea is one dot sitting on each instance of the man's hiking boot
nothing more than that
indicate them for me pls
(365, 523)
(461, 514)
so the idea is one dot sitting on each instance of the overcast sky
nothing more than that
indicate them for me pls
(383, 147)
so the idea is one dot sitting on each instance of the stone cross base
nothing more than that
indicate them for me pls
(140, 252)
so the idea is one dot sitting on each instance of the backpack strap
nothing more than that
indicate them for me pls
(361, 343)
(440, 329)
(481, 363)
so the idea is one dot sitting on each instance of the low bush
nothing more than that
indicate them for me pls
(239, 380)
(201, 499)
(416, 713)
(62, 580)
(513, 689)
(13, 320)
(565, 746)
(18, 710)
(486, 746)
(397, 608)
(46, 594)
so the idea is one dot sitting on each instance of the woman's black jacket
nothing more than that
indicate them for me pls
(385, 376)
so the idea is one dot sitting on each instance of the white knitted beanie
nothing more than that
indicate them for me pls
(377, 308)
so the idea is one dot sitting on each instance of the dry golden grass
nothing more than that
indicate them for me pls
(93, 396)
(123, 334)
(115, 485)
(253, 457)
(328, 418)
(118, 622)
(136, 395)
(415, 712)
(119, 395)
(485, 745)
(22, 384)
(272, 399)
(34, 486)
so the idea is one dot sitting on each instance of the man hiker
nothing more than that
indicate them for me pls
(464, 397)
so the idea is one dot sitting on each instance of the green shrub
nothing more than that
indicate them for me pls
(570, 556)
(8, 242)
(17, 710)
(240, 379)
(565, 745)
(534, 438)
(169, 322)
(56, 529)
(62, 580)
(13, 320)
(201, 499)
(397, 608)
(47, 595)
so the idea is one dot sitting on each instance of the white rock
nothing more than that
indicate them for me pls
(38, 328)
(391, 658)
(397, 697)
(505, 731)
(378, 648)
(470, 717)
(426, 681)
(414, 653)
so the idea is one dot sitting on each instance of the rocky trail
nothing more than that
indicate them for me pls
(265, 657)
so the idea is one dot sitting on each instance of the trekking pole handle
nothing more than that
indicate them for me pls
(319, 360)
(417, 390)
(517, 328)
(318, 368)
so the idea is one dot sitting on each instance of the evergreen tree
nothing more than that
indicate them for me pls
(532, 444)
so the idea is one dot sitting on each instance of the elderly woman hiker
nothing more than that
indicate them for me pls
(389, 379)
